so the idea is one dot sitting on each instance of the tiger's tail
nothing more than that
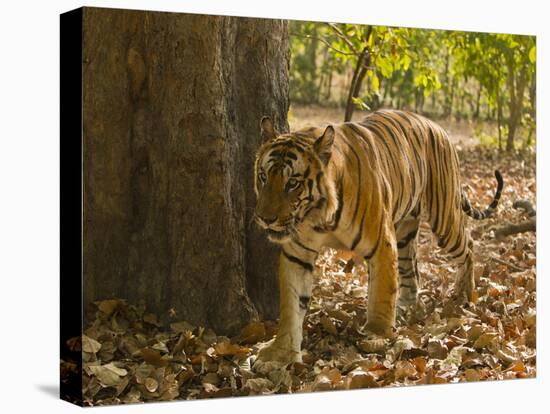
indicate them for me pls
(478, 214)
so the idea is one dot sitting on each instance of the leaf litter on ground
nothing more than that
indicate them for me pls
(129, 356)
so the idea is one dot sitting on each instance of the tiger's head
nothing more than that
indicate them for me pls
(291, 180)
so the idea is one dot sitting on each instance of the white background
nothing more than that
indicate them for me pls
(29, 206)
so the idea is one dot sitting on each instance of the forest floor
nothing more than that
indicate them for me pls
(129, 357)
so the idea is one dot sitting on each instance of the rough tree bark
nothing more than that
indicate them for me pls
(172, 104)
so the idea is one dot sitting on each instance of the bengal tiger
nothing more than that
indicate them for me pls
(361, 186)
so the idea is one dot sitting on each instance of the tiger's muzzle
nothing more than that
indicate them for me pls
(276, 230)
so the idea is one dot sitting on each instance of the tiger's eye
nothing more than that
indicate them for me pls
(292, 184)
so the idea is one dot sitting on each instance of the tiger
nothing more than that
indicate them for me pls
(364, 187)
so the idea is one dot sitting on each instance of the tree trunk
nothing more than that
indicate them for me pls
(448, 85)
(329, 86)
(478, 101)
(451, 98)
(499, 117)
(532, 111)
(363, 62)
(314, 86)
(388, 84)
(355, 86)
(460, 110)
(172, 104)
(517, 89)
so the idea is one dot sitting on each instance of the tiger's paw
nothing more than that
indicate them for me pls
(380, 328)
(406, 303)
(276, 354)
(462, 296)
(463, 291)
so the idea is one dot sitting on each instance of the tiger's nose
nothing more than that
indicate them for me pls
(267, 220)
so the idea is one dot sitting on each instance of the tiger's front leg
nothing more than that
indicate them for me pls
(295, 285)
(383, 284)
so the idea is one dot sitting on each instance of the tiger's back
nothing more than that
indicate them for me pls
(402, 157)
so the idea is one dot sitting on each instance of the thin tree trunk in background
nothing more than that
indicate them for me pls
(322, 77)
(355, 85)
(312, 87)
(172, 104)
(329, 86)
(478, 101)
(511, 105)
(532, 110)
(363, 62)
(419, 101)
(451, 97)
(460, 108)
(517, 89)
(499, 118)
(388, 84)
(448, 96)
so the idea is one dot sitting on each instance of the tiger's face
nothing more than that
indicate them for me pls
(289, 180)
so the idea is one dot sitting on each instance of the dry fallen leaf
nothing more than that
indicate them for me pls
(229, 349)
(90, 345)
(151, 384)
(360, 379)
(109, 374)
(258, 385)
(472, 375)
(404, 369)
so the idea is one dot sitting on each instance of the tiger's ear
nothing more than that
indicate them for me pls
(323, 144)
(268, 131)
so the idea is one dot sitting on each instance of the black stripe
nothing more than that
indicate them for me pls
(388, 156)
(337, 215)
(373, 251)
(304, 302)
(360, 232)
(359, 174)
(435, 197)
(405, 241)
(340, 204)
(276, 154)
(318, 180)
(304, 246)
(444, 239)
(293, 259)
(455, 247)
(291, 155)
(319, 204)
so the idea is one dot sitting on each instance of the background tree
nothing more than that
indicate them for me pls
(503, 65)
(172, 104)
(372, 52)
(465, 75)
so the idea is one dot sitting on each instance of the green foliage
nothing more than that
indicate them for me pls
(464, 74)
(486, 139)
